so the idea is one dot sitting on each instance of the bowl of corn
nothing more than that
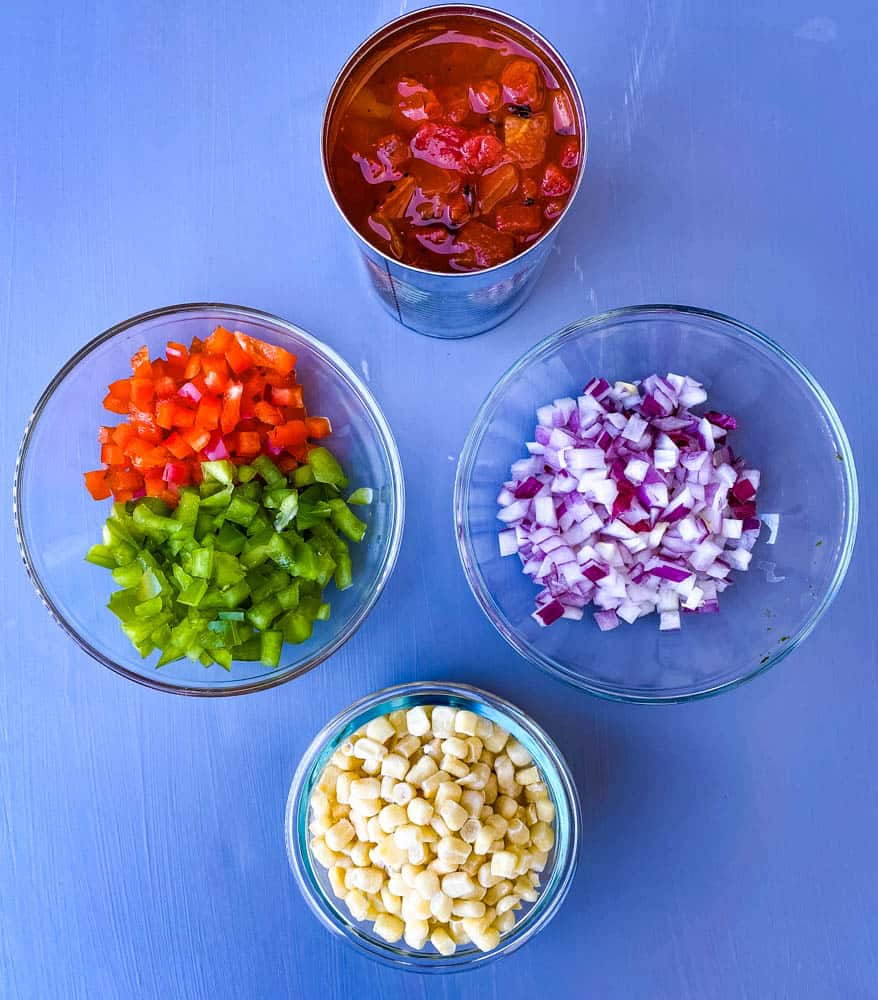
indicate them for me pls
(433, 826)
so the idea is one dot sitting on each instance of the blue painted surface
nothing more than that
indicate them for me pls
(166, 152)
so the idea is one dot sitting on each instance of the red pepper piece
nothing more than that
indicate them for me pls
(176, 353)
(290, 395)
(140, 363)
(208, 412)
(231, 412)
(248, 443)
(114, 404)
(218, 342)
(177, 446)
(289, 434)
(96, 484)
(317, 427)
(216, 373)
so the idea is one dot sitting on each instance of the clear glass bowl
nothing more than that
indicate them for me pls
(56, 520)
(787, 428)
(312, 877)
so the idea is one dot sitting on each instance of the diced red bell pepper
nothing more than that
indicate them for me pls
(96, 484)
(291, 433)
(269, 355)
(209, 411)
(114, 404)
(288, 396)
(193, 366)
(248, 443)
(176, 353)
(216, 373)
(184, 417)
(177, 473)
(140, 363)
(124, 479)
(440, 145)
(286, 463)
(112, 454)
(317, 427)
(218, 342)
(196, 438)
(268, 414)
(238, 359)
(231, 412)
(164, 413)
(121, 389)
(177, 446)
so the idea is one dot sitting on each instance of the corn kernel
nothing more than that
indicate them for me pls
(417, 721)
(465, 722)
(319, 825)
(517, 833)
(367, 749)
(447, 791)
(388, 927)
(453, 814)
(402, 793)
(440, 906)
(359, 853)
(343, 761)
(422, 769)
(454, 746)
(397, 720)
(416, 933)
(339, 835)
(336, 876)
(454, 766)
(442, 941)
(365, 788)
(536, 792)
(527, 775)
(473, 750)
(497, 892)
(459, 885)
(484, 937)
(472, 800)
(380, 729)
(357, 903)
(415, 907)
(366, 807)
(443, 721)
(406, 746)
(419, 811)
(542, 836)
(507, 903)
(429, 786)
(486, 879)
(394, 765)
(439, 826)
(468, 908)
(546, 811)
(470, 830)
(491, 789)
(392, 903)
(326, 782)
(417, 854)
(407, 836)
(504, 863)
(453, 849)
(371, 766)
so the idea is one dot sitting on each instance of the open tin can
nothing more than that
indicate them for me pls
(451, 304)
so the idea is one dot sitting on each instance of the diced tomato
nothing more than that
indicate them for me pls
(416, 102)
(231, 412)
(553, 209)
(563, 119)
(481, 246)
(555, 184)
(440, 145)
(317, 427)
(455, 104)
(569, 158)
(208, 412)
(523, 84)
(140, 363)
(519, 220)
(218, 342)
(481, 152)
(485, 97)
(525, 138)
(96, 484)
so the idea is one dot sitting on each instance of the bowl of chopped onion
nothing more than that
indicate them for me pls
(656, 504)
(433, 826)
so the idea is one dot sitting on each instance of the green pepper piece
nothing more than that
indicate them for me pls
(259, 523)
(128, 576)
(288, 598)
(223, 657)
(235, 595)
(310, 514)
(323, 612)
(230, 616)
(261, 615)
(343, 571)
(296, 627)
(187, 509)
(269, 471)
(250, 491)
(205, 524)
(202, 563)
(289, 508)
(241, 511)
(230, 540)
(221, 470)
(101, 555)
(181, 576)
(326, 468)
(148, 609)
(219, 500)
(193, 594)
(346, 521)
(155, 525)
(246, 473)
(227, 570)
(302, 476)
(271, 646)
(361, 497)
(273, 498)
(249, 650)
(122, 604)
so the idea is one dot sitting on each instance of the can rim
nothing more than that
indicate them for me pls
(426, 13)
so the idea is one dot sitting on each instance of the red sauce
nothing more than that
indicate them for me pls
(456, 146)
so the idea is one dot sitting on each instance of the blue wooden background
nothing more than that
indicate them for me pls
(166, 151)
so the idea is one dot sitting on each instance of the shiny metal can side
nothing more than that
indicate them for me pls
(458, 304)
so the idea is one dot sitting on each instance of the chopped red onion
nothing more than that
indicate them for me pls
(628, 502)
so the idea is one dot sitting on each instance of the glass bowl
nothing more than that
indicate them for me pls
(57, 521)
(787, 428)
(312, 877)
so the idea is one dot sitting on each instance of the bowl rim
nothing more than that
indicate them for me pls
(440, 690)
(373, 39)
(223, 310)
(473, 441)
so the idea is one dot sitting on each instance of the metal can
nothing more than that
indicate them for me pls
(457, 304)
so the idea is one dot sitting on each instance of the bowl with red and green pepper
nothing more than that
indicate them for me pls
(208, 500)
